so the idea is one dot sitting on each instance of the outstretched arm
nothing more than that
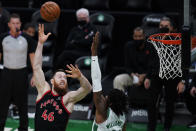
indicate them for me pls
(39, 77)
(85, 86)
(31, 56)
(98, 98)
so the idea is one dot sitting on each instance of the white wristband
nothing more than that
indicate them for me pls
(95, 74)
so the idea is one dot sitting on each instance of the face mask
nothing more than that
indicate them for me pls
(139, 42)
(164, 30)
(82, 23)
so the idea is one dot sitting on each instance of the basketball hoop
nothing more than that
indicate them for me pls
(168, 47)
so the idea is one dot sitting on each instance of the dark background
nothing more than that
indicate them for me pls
(127, 13)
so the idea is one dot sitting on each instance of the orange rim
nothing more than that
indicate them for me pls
(169, 42)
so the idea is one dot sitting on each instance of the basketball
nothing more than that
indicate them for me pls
(50, 11)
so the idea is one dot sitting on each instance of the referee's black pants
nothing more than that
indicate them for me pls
(13, 88)
(190, 102)
(170, 97)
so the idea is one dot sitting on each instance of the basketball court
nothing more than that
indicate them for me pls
(84, 125)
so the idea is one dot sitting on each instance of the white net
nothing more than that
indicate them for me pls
(169, 56)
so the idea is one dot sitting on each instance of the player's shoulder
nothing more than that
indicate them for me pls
(44, 89)
(42, 95)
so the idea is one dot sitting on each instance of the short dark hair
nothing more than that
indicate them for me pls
(118, 101)
(139, 29)
(14, 15)
(29, 25)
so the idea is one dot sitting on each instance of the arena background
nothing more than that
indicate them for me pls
(126, 18)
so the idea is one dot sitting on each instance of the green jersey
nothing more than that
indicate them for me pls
(112, 123)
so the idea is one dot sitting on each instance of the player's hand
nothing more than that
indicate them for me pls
(147, 83)
(193, 91)
(42, 36)
(95, 44)
(180, 87)
(73, 72)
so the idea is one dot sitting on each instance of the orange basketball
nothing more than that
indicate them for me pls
(50, 11)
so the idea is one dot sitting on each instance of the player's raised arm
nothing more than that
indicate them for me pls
(39, 77)
(98, 98)
(85, 86)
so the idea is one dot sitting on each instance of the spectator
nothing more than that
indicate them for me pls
(78, 41)
(136, 58)
(154, 84)
(4, 16)
(14, 47)
(190, 96)
(29, 29)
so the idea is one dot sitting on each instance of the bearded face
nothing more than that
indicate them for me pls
(60, 83)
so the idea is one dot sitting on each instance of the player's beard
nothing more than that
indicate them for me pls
(59, 90)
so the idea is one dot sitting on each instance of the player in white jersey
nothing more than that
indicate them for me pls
(110, 110)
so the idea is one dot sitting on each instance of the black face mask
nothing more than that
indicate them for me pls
(82, 23)
(139, 42)
(164, 30)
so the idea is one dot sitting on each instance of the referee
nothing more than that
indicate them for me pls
(14, 49)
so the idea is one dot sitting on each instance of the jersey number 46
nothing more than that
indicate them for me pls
(49, 116)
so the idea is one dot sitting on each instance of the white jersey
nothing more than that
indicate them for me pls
(113, 123)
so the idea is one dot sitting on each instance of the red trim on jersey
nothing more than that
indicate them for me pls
(54, 94)
(64, 106)
(43, 96)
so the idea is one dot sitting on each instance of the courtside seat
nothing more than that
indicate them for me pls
(150, 23)
(84, 64)
(104, 24)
